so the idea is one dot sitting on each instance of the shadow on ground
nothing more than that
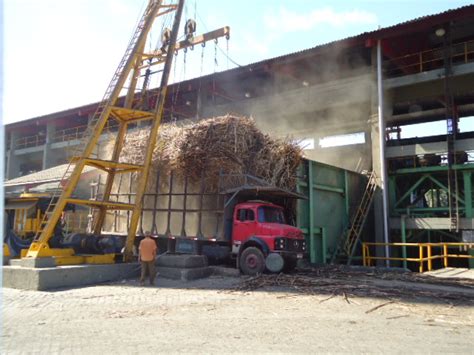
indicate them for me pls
(332, 281)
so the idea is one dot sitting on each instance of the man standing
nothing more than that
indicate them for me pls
(147, 255)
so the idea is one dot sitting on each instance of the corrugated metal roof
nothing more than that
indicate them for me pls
(53, 174)
(376, 34)
(383, 32)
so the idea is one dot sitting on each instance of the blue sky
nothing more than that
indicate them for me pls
(61, 54)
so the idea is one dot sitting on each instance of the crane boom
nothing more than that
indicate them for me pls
(112, 108)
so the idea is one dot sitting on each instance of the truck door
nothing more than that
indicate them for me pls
(244, 224)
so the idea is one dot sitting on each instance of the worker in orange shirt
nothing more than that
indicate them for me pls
(146, 255)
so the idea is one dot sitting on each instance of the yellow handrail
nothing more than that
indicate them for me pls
(367, 258)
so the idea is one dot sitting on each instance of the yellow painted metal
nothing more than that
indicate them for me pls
(100, 259)
(444, 255)
(364, 255)
(84, 259)
(108, 109)
(42, 249)
(128, 115)
(430, 260)
(6, 250)
(420, 248)
(209, 36)
(32, 195)
(110, 177)
(143, 178)
(124, 115)
(23, 223)
(23, 253)
(69, 260)
(122, 73)
(110, 205)
(109, 165)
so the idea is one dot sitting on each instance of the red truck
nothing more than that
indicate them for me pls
(261, 237)
(256, 237)
(231, 225)
(225, 225)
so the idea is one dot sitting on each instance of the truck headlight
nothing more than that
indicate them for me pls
(280, 243)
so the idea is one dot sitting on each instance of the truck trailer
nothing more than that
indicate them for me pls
(246, 220)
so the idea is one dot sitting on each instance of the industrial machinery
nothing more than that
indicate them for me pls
(25, 212)
(127, 111)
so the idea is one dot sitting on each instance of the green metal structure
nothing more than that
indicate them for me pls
(423, 191)
(332, 196)
(420, 205)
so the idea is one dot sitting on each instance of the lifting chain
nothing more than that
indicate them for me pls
(216, 64)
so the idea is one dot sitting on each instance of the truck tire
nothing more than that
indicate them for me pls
(252, 261)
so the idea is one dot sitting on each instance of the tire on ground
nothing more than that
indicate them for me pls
(252, 261)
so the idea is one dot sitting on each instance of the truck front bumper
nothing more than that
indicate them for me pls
(290, 247)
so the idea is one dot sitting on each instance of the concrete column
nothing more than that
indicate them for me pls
(376, 159)
(48, 155)
(378, 205)
(13, 166)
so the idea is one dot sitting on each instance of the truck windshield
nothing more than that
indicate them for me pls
(268, 214)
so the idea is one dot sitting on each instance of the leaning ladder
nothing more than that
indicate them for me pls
(125, 115)
(351, 236)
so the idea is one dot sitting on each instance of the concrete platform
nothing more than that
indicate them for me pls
(182, 261)
(452, 273)
(34, 262)
(66, 276)
(184, 274)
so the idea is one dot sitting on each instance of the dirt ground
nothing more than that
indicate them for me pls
(211, 316)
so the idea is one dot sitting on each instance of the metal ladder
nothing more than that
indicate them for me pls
(351, 236)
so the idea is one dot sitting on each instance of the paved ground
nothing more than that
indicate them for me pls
(453, 273)
(206, 317)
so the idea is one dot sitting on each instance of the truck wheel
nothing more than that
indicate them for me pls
(290, 264)
(252, 261)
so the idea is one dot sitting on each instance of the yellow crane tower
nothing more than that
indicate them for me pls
(112, 107)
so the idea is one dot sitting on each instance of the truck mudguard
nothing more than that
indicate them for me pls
(255, 241)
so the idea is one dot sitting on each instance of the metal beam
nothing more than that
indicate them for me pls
(433, 113)
(432, 75)
(430, 169)
(431, 223)
(205, 37)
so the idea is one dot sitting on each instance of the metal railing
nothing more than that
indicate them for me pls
(63, 135)
(428, 257)
(68, 134)
(30, 141)
(418, 62)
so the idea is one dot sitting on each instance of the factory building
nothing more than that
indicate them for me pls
(332, 99)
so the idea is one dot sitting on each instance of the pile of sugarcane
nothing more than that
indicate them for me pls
(229, 144)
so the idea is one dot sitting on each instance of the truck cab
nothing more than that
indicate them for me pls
(261, 238)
